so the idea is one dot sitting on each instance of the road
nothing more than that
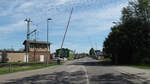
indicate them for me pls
(81, 71)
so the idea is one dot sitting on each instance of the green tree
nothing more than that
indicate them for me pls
(129, 41)
(91, 52)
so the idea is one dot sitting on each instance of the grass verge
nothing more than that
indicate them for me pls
(141, 66)
(106, 61)
(23, 67)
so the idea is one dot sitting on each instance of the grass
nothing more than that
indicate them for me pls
(16, 67)
(141, 66)
(106, 61)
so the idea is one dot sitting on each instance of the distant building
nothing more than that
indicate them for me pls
(99, 54)
(53, 55)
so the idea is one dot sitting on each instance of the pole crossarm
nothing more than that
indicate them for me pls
(32, 32)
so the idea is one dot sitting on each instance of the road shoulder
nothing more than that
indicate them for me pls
(140, 74)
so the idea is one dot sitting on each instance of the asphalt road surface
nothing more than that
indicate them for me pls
(81, 71)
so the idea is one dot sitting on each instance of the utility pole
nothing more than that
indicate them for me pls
(28, 38)
(47, 42)
(35, 46)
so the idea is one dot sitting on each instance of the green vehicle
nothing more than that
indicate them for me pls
(64, 53)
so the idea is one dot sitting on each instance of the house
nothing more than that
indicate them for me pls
(37, 50)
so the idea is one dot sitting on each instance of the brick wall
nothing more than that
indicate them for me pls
(36, 57)
(20, 56)
(0, 56)
(15, 57)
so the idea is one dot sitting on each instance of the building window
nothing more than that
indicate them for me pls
(31, 46)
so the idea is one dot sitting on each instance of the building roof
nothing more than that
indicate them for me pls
(37, 42)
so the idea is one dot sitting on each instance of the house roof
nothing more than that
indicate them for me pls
(36, 42)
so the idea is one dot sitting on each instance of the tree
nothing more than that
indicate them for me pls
(21, 49)
(137, 9)
(92, 52)
(129, 41)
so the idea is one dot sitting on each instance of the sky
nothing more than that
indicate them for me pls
(89, 26)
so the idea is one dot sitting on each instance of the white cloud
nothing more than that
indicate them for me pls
(71, 46)
(83, 23)
(9, 8)
(97, 20)
(108, 12)
(19, 26)
(92, 22)
(86, 23)
(26, 5)
(111, 12)
(60, 2)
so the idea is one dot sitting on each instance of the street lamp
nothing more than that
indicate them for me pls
(47, 40)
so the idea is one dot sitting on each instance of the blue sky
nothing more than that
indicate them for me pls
(91, 19)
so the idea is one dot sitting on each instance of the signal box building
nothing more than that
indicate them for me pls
(37, 50)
